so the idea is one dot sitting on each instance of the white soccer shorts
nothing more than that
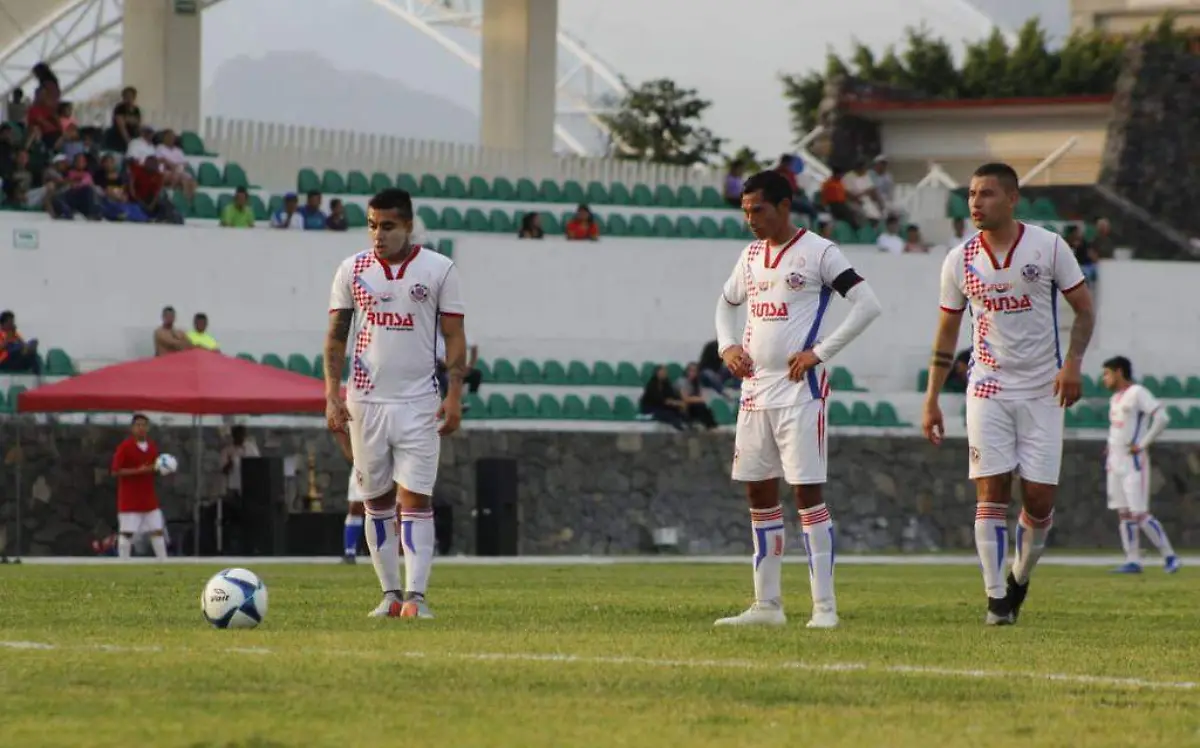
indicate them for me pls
(1022, 435)
(395, 442)
(1129, 490)
(140, 523)
(352, 494)
(788, 443)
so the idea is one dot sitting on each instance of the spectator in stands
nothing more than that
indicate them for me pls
(174, 164)
(913, 244)
(835, 200)
(785, 167)
(890, 240)
(314, 217)
(861, 195)
(141, 147)
(146, 189)
(337, 216)
(18, 106)
(78, 174)
(472, 379)
(126, 122)
(8, 147)
(583, 225)
(662, 402)
(115, 205)
(690, 391)
(66, 198)
(732, 190)
(16, 354)
(1102, 243)
(66, 115)
(288, 217)
(714, 374)
(199, 337)
(18, 183)
(958, 232)
(167, 337)
(825, 226)
(238, 214)
(885, 185)
(47, 81)
(531, 226)
(956, 380)
(1085, 254)
(43, 115)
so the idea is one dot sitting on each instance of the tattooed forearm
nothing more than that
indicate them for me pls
(335, 347)
(1081, 333)
(941, 360)
(456, 352)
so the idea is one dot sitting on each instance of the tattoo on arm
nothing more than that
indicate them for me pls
(456, 351)
(1081, 333)
(941, 360)
(335, 345)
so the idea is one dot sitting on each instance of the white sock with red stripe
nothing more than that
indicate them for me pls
(1031, 542)
(1130, 539)
(991, 543)
(769, 536)
(418, 539)
(1154, 530)
(381, 542)
(819, 542)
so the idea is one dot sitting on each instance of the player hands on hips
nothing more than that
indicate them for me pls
(787, 277)
(1010, 274)
(1135, 419)
(400, 294)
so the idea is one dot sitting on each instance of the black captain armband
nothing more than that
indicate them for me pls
(941, 360)
(846, 281)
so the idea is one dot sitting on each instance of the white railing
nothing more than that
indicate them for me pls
(1050, 160)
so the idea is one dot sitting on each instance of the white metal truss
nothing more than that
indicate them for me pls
(586, 86)
(77, 38)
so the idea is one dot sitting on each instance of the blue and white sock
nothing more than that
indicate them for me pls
(991, 543)
(818, 542)
(1154, 530)
(418, 539)
(1129, 539)
(382, 539)
(352, 535)
(1031, 543)
(767, 525)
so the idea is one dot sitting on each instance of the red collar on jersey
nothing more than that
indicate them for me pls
(398, 273)
(771, 265)
(983, 242)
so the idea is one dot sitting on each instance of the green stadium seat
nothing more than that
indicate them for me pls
(578, 374)
(554, 373)
(179, 200)
(274, 204)
(409, 184)
(502, 189)
(1192, 388)
(662, 227)
(686, 197)
(861, 415)
(479, 189)
(572, 192)
(485, 371)
(381, 182)
(922, 380)
(191, 144)
(573, 408)
(204, 207)
(431, 187)
(674, 371)
(618, 194)
(527, 191)
(711, 198)
(446, 247)
(299, 364)
(454, 188)
(501, 223)
(599, 409)
(274, 361)
(1024, 208)
(1194, 417)
(731, 228)
(498, 407)
(597, 194)
(259, 207)
(318, 366)
(250, 357)
(208, 175)
(474, 407)
(707, 228)
(956, 206)
(603, 375)
(867, 234)
(642, 196)
(685, 228)
(523, 406)
(839, 415)
(1179, 419)
(616, 225)
(528, 372)
(477, 221)
(841, 380)
(550, 191)
(664, 197)
(550, 224)
(503, 372)
(647, 371)
(452, 219)
(1091, 388)
(624, 409)
(886, 416)
(357, 183)
(1044, 210)
(549, 408)
(723, 413)
(1151, 383)
(1172, 388)
(347, 367)
(628, 376)
(640, 226)
(356, 217)
(843, 233)
(332, 182)
(223, 199)
(235, 176)
(14, 394)
(59, 364)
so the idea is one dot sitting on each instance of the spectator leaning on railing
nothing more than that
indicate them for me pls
(16, 354)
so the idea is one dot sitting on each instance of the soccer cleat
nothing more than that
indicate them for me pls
(1016, 596)
(415, 607)
(349, 559)
(823, 619)
(390, 607)
(999, 612)
(758, 614)
(1171, 564)
(1129, 567)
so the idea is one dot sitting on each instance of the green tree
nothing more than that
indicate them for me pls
(659, 121)
(985, 69)
(864, 65)
(1088, 64)
(929, 65)
(804, 94)
(750, 160)
(1031, 66)
(892, 71)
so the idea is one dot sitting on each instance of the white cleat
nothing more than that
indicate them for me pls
(823, 619)
(389, 607)
(759, 614)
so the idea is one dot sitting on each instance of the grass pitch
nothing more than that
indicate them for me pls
(625, 655)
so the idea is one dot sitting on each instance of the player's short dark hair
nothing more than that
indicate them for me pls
(200, 316)
(774, 186)
(140, 417)
(168, 308)
(1005, 174)
(1121, 364)
(393, 198)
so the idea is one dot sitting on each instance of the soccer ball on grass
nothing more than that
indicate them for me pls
(234, 599)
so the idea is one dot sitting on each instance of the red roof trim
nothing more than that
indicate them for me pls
(881, 105)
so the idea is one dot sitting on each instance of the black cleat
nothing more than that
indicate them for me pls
(999, 613)
(1016, 596)
(348, 559)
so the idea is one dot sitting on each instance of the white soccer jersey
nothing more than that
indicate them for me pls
(788, 290)
(1129, 414)
(398, 310)
(1016, 349)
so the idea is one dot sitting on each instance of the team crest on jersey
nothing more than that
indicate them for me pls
(1031, 273)
(794, 281)
(419, 292)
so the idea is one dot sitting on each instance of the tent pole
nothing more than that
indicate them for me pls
(197, 457)
(16, 559)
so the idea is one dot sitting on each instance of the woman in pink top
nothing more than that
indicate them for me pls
(79, 174)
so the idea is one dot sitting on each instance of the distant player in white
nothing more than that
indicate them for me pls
(1135, 419)
(1010, 275)
(353, 526)
(401, 293)
(787, 279)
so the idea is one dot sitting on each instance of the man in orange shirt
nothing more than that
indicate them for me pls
(833, 195)
(16, 355)
(137, 501)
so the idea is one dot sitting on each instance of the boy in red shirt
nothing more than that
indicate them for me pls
(137, 502)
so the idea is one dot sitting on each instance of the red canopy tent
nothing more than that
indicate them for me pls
(197, 381)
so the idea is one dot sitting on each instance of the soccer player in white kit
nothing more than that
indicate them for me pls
(401, 293)
(1010, 274)
(1135, 419)
(787, 278)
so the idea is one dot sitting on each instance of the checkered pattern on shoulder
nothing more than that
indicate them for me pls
(361, 377)
(753, 252)
(973, 285)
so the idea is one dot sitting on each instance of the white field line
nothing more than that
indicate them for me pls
(566, 659)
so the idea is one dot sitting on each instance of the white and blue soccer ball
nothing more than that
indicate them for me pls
(166, 464)
(234, 599)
